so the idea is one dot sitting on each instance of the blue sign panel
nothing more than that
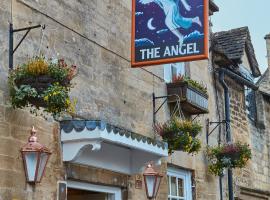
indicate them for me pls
(166, 31)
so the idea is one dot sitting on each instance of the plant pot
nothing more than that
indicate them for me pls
(40, 83)
(38, 102)
(234, 156)
(193, 101)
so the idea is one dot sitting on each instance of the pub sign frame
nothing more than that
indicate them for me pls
(159, 38)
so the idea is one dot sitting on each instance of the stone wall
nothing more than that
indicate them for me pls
(15, 129)
(97, 41)
(95, 36)
(267, 38)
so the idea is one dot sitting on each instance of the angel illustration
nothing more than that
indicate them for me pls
(173, 18)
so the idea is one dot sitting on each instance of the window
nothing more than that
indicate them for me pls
(251, 108)
(171, 70)
(179, 184)
(250, 97)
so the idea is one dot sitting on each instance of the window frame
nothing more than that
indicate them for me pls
(168, 70)
(186, 176)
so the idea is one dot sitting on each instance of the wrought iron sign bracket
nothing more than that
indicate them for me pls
(217, 124)
(12, 50)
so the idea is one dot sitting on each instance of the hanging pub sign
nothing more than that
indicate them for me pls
(167, 31)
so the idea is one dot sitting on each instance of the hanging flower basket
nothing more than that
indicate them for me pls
(42, 83)
(228, 156)
(180, 135)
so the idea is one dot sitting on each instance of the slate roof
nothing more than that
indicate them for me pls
(233, 44)
(212, 7)
(267, 36)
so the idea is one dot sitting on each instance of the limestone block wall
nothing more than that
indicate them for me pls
(256, 174)
(95, 36)
(206, 185)
(261, 155)
(15, 129)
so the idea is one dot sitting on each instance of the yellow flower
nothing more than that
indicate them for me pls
(67, 101)
(37, 67)
(46, 98)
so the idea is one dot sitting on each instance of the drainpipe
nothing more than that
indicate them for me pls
(228, 127)
(249, 84)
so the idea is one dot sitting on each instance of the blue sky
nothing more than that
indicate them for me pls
(254, 14)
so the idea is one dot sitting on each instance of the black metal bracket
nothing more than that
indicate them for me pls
(11, 39)
(195, 117)
(208, 132)
(155, 111)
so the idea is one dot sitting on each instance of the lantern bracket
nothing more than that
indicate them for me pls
(208, 131)
(11, 39)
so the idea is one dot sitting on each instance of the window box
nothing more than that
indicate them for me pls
(193, 101)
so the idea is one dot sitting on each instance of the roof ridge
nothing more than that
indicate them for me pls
(234, 43)
(234, 30)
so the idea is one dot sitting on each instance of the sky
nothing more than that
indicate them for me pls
(239, 13)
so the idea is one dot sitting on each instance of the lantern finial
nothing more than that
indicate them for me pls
(33, 137)
(152, 181)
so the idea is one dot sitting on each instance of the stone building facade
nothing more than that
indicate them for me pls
(95, 36)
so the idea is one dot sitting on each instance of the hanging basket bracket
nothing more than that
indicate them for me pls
(12, 50)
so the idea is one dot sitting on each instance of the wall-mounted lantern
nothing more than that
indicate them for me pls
(35, 157)
(152, 181)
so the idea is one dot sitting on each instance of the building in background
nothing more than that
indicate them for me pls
(100, 153)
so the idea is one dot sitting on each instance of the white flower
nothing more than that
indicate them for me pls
(226, 162)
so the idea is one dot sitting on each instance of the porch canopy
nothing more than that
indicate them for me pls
(102, 145)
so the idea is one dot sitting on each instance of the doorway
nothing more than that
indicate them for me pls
(76, 194)
(86, 191)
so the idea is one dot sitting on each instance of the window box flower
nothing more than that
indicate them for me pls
(42, 83)
(180, 135)
(193, 95)
(228, 156)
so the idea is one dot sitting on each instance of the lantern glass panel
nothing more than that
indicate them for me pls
(157, 185)
(31, 164)
(42, 163)
(150, 182)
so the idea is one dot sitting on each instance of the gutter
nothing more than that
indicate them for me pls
(239, 79)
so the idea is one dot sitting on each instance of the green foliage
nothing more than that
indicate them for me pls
(180, 135)
(228, 156)
(56, 98)
(195, 84)
(20, 97)
(52, 93)
(58, 73)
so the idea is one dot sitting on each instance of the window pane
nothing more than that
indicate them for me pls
(168, 73)
(171, 70)
(180, 187)
(173, 186)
